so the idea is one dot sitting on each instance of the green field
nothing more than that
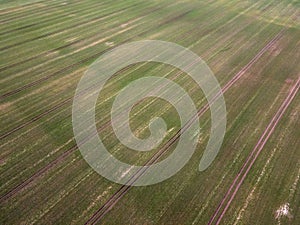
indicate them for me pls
(45, 48)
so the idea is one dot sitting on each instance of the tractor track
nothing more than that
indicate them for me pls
(108, 205)
(253, 155)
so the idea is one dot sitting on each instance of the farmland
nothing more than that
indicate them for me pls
(252, 47)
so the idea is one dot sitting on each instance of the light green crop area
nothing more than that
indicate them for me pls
(45, 48)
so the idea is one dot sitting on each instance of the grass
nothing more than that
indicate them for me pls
(48, 39)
